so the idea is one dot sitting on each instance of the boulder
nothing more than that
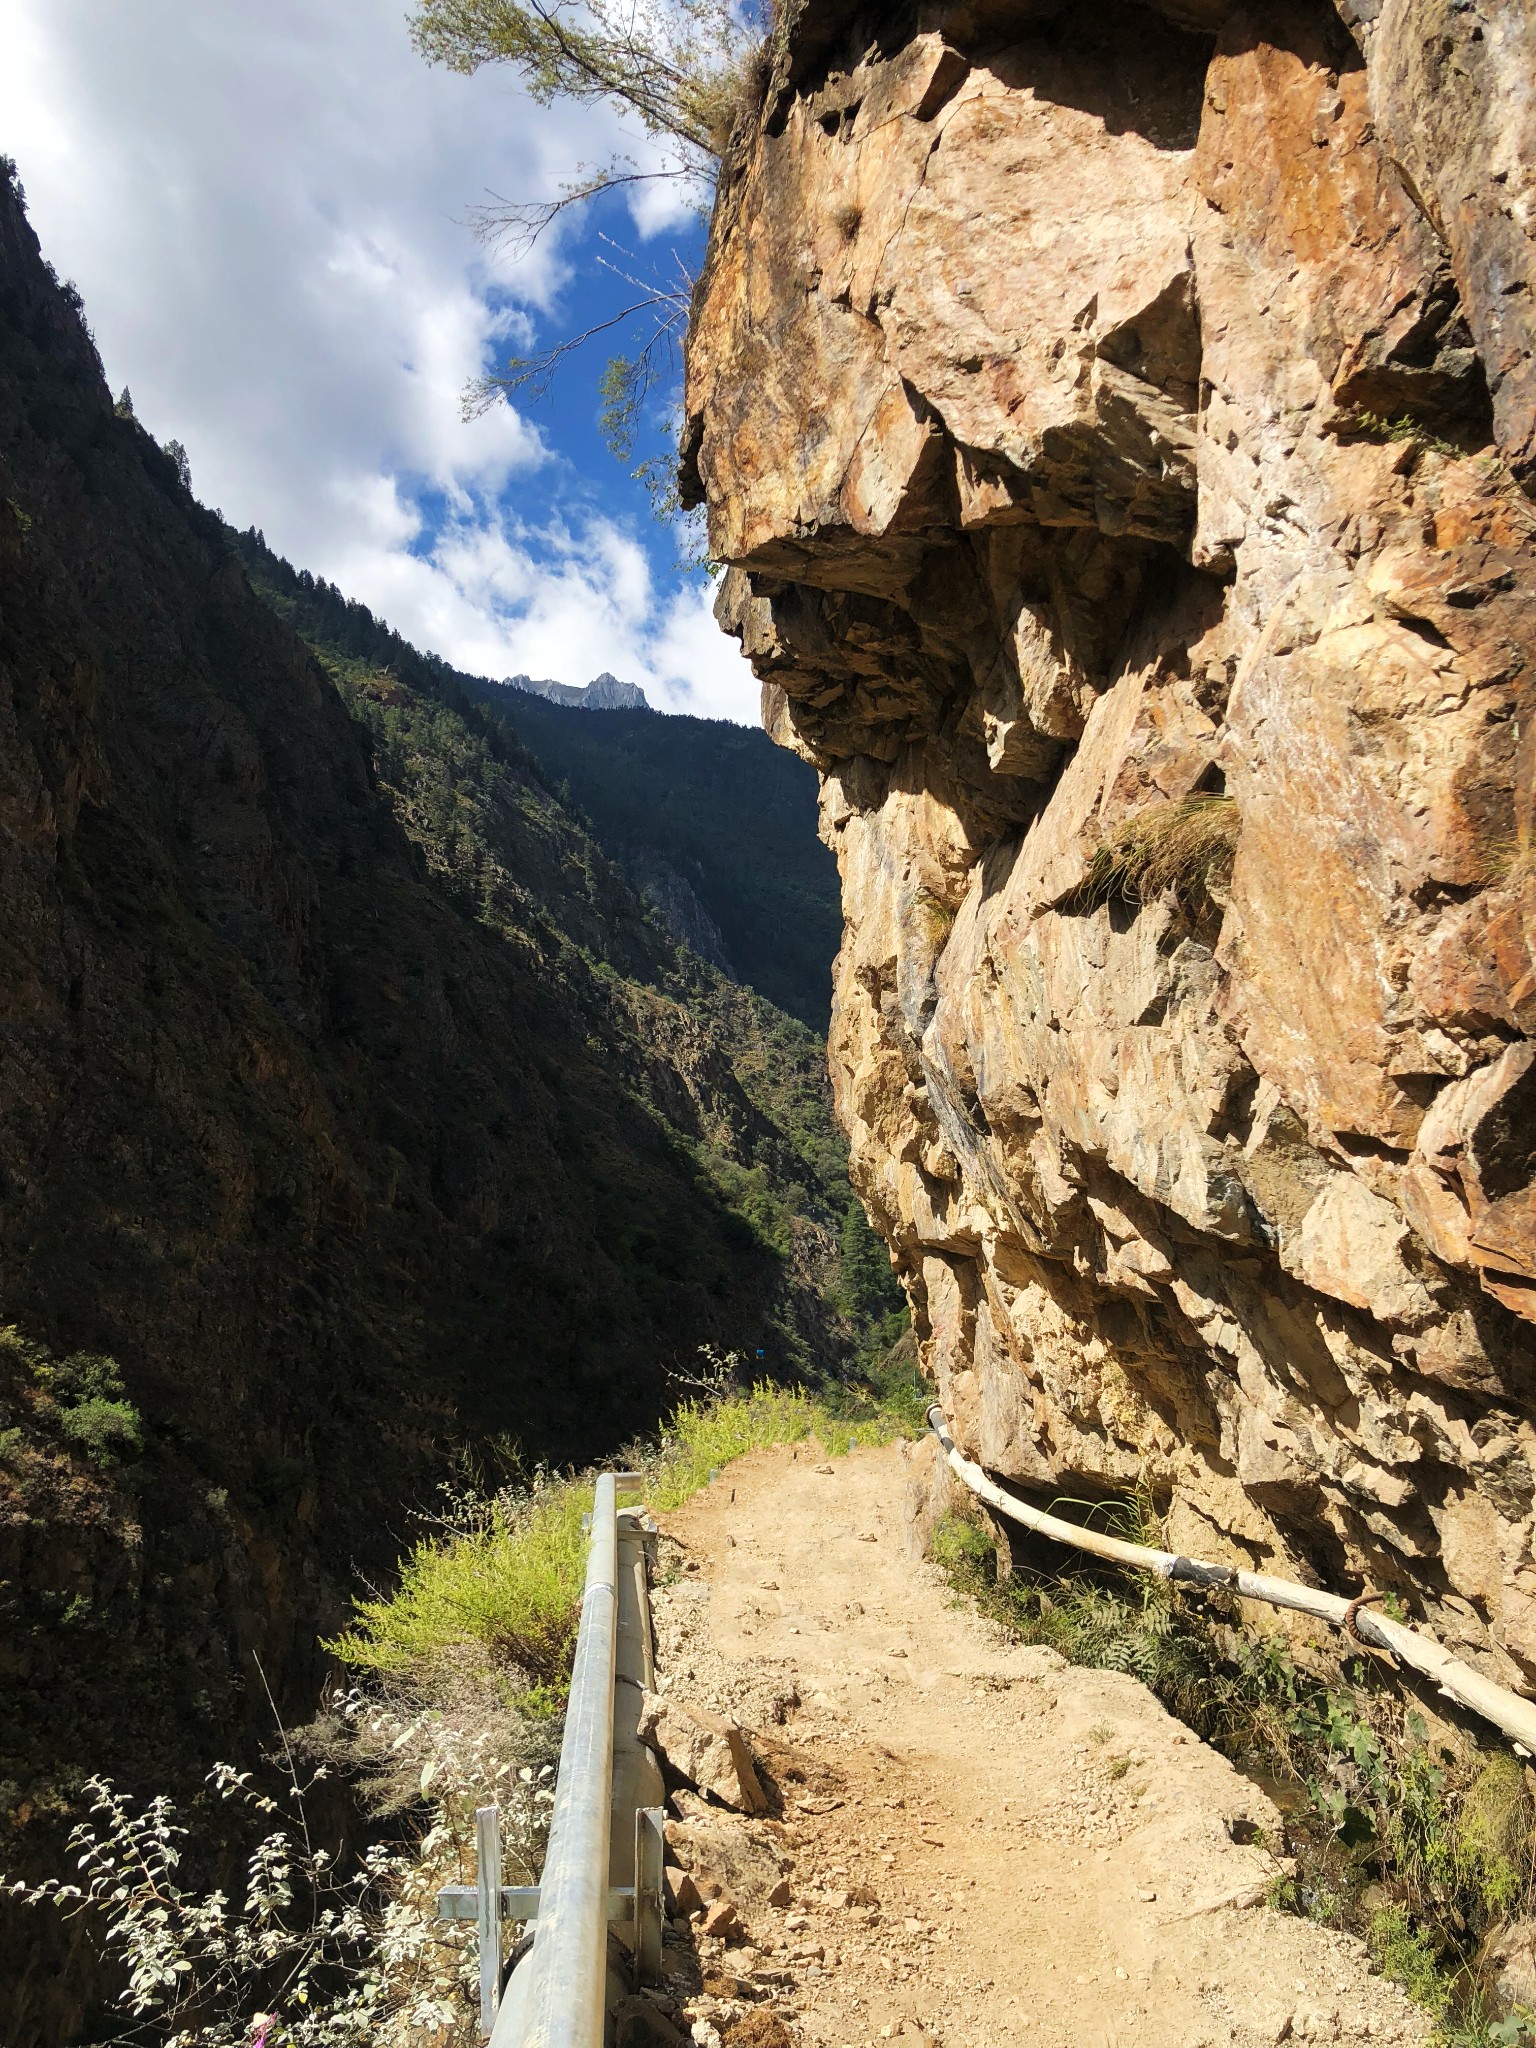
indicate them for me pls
(704, 1749)
(641, 2022)
(722, 1855)
(1511, 1964)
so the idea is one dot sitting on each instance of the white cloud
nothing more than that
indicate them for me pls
(501, 598)
(264, 207)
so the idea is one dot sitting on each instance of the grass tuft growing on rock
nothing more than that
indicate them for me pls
(1186, 846)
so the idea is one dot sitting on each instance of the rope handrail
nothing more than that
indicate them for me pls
(1483, 1696)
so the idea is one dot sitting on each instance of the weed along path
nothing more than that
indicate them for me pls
(968, 1840)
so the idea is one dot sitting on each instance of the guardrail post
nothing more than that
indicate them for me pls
(488, 1890)
(650, 1881)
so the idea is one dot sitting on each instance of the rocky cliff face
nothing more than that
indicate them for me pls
(1119, 419)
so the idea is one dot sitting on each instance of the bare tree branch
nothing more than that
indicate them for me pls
(515, 225)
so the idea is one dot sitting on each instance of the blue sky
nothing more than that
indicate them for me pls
(266, 208)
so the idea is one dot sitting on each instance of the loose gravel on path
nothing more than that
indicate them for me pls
(983, 1845)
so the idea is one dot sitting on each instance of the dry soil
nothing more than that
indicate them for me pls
(983, 1845)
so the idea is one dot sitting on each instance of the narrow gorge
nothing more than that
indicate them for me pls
(361, 1129)
(1120, 425)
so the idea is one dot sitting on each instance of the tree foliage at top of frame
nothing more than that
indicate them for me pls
(678, 64)
(683, 69)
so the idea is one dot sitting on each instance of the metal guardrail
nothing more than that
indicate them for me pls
(603, 1824)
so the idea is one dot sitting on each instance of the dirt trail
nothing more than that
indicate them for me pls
(985, 1845)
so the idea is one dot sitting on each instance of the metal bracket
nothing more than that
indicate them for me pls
(488, 1911)
(638, 1908)
(650, 1846)
(520, 1902)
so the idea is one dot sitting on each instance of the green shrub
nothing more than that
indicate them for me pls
(507, 1589)
(704, 1436)
(962, 1548)
(1494, 1832)
(106, 1430)
(1400, 1952)
(82, 1397)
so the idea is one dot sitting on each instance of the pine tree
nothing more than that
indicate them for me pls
(178, 456)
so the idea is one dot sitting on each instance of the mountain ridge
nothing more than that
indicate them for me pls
(709, 821)
(604, 693)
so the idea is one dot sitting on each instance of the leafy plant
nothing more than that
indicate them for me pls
(507, 1585)
(683, 70)
(680, 68)
(305, 1953)
(1402, 1953)
(105, 1430)
(81, 1396)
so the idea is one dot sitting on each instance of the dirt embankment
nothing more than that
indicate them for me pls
(972, 1841)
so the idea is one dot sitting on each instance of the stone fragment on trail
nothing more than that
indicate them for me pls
(721, 1917)
(723, 1854)
(704, 1749)
(640, 2022)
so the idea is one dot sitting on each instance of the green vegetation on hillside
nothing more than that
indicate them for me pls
(740, 1087)
(731, 813)
(753, 1113)
(728, 812)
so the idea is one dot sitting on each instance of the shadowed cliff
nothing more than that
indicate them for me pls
(353, 1106)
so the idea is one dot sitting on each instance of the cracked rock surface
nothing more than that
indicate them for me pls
(1118, 422)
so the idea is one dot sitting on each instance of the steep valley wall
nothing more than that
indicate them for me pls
(1120, 421)
(349, 1101)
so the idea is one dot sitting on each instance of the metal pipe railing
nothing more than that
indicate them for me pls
(1507, 1710)
(603, 1866)
(568, 1964)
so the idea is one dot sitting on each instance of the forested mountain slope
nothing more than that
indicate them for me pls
(354, 1110)
(729, 812)
(690, 808)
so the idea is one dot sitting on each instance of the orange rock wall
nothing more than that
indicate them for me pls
(1120, 422)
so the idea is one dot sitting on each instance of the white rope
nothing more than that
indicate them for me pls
(1458, 1681)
